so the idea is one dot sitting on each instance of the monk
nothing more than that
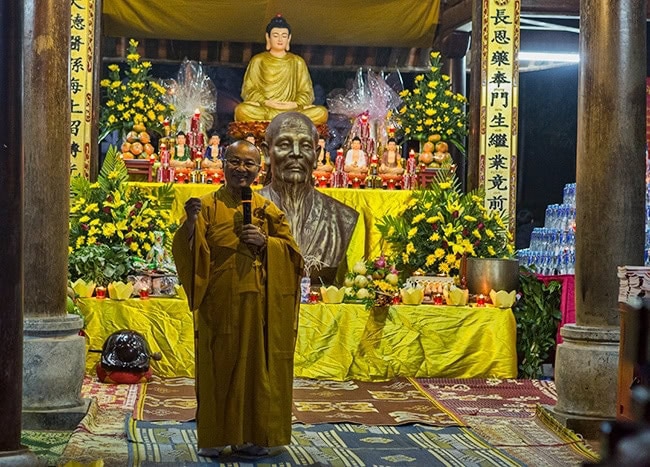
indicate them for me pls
(242, 284)
(277, 81)
(321, 225)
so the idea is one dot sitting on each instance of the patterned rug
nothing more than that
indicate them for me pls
(540, 440)
(166, 399)
(46, 445)
(325, 444)
(395, 402)
(490, 397)
(118, 396)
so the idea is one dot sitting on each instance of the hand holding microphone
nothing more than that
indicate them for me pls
(251, 235)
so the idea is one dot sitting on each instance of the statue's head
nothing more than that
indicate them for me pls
(290, 142)
(278, 34)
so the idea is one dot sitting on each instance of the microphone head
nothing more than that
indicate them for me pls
(246, 193)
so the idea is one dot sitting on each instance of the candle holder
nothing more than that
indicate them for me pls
(437, 299)
(313, 297)
(100, 293)
(480, 300)
(144, 294)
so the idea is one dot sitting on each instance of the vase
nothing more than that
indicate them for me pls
(486, 274)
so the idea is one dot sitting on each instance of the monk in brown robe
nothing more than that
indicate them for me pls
(242, 283)
(321, 225)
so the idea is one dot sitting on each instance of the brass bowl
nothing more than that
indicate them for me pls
(485, 274)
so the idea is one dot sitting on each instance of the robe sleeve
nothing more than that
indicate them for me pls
(193, 261)
(251, 91)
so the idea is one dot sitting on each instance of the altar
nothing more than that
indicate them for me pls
(336, 342)
(371, 204)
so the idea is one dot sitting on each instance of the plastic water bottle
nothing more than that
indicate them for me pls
(305, 288)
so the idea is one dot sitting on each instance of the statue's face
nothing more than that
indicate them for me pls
(356, 144)
(180, 139)
(214, 140)
(392, 146)
(279, 38)
(293, 153)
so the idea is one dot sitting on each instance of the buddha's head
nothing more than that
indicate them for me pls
(391, 144)
(290, 142)
(278, 35)
(356, 143)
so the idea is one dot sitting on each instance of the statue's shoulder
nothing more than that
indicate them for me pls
(333, 208)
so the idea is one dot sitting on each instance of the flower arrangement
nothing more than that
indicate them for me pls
(134, 100)
(373, 282)
(112, 225)
(440, 225)
(431, 111)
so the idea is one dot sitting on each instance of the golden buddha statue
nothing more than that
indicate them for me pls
(391, 161)
(277, 81)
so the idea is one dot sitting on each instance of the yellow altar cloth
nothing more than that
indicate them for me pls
(336, 342)
(372, 204)
(165, 323)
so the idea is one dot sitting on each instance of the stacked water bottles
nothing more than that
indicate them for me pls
(552, 247)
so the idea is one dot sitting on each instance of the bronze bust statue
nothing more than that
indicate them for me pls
(321, 225)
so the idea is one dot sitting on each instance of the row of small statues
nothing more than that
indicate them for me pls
(390, 163)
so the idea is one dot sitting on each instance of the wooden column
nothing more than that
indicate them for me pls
(473, 140)
(11, 229)
(54, 353)
(610, 200)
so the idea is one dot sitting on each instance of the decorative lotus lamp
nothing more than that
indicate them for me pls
(412, 295)
(180, 291)
(456, 296)
(332, 294)
(83, 289)
(120, 290)
(502, 298)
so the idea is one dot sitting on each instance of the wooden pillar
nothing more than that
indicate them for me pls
(473, 140)
(54, 353)
(610, 199)
(11, 231)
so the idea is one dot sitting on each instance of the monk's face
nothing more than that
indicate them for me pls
(242, 164)
(293, 153)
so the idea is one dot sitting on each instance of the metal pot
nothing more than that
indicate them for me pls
(485, 274)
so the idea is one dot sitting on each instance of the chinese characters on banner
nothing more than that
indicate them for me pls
(82, 49)
(499, 105)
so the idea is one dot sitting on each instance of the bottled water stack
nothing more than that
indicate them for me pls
(552, 247)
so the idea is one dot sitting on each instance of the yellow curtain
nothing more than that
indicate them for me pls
(378, 23)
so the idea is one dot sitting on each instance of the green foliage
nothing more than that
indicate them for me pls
(101, 264)
(538, 314)
(441, 224)
(112, 214)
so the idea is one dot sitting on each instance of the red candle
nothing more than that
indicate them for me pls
(313, 297)
(437, 299)
(144, 294)
(480, 300)
(100, 293)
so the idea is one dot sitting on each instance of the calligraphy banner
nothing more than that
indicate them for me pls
(82, 57)
(499, 106)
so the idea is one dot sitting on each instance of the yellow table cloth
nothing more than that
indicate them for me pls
(372, 204)
(337, 342)
(165, 323)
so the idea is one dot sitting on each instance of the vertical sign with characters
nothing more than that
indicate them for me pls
(499, 106)
(82, 49)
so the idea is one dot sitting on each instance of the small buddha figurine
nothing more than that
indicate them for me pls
(181, 156)
(323, 162)
(441, 157)
(212, 155)
(355, 158)
(426, 156)
(391, 161)
(277, 81)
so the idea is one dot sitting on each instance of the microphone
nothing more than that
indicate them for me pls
(246, 195)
